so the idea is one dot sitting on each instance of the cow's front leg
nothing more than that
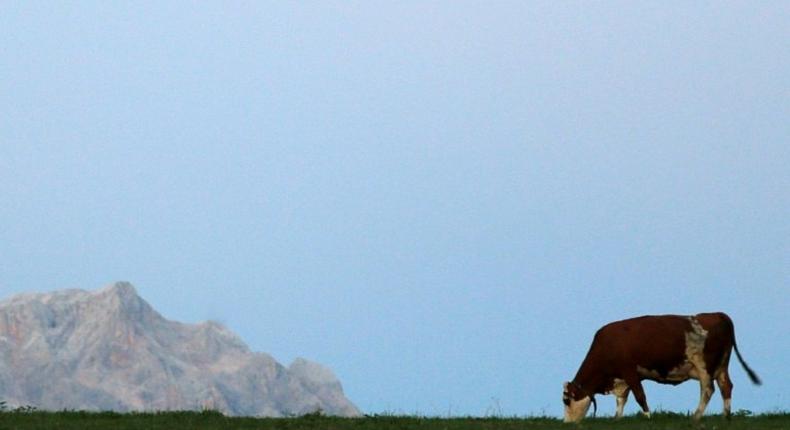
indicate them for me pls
(620, 390)
(639, 393)
(621, 399)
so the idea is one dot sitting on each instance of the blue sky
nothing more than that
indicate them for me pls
(440, 201)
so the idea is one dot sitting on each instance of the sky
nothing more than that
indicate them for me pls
(440, 201)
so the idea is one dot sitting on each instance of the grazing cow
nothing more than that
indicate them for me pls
(668, 349)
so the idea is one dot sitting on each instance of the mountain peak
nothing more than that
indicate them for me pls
(121, 297)
(120, 288)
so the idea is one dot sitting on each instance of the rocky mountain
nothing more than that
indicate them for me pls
(110, 350)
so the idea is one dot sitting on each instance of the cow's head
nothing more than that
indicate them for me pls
(576, 402)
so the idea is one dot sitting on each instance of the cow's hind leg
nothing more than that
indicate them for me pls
(725, 385)
(705, 392)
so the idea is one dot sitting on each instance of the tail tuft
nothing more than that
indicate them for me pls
(753, 376)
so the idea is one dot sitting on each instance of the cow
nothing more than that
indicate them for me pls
(667, 349)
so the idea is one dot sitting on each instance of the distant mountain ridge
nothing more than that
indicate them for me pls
(110, 350)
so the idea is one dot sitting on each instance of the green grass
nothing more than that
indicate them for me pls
(215, 421)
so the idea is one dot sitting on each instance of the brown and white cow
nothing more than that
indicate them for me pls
(668, 349)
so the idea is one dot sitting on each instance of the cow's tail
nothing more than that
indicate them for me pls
(753, 376)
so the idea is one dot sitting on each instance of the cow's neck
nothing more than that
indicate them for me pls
(591, 381)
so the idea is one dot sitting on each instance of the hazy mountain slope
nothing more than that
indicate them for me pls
(109, 350)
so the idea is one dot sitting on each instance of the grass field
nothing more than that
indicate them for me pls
(216, 421)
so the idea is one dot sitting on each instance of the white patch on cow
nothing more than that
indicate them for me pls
(681, 373)
(577, 409)
(618, 388)
(647, 373)
(695, 354)
(695, 342)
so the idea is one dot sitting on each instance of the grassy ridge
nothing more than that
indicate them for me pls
(216, 421)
